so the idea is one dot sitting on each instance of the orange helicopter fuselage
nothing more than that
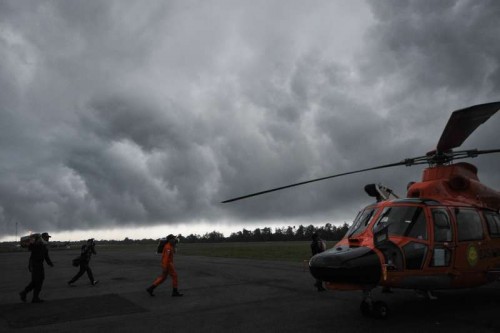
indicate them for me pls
(444, 235)
(455, 184)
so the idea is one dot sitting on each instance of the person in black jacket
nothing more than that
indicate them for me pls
(317, 246)
(39, 254)
(87, 250)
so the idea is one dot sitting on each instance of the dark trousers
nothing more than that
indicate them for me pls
(84, 267)
(37, 277)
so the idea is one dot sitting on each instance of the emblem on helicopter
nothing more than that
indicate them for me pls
(472, 255)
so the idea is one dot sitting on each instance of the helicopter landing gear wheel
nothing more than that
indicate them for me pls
(380, 310)
(369, 308)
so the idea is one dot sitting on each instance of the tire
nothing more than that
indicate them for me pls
(380, 310)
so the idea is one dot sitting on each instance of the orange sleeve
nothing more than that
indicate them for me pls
(167, 256)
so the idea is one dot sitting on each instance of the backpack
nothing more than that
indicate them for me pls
(161, 245)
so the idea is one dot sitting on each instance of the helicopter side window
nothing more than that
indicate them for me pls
(414, 254)
(469, 224)
(407, 221)
(441, 254)
(361, 222)
(493, 220)
(442, 226)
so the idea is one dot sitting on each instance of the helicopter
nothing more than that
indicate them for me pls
(445, 234)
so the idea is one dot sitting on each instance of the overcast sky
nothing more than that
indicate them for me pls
(118, 116)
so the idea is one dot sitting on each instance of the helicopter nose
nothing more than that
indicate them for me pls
(343, 264)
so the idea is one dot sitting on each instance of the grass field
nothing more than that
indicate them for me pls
(296, 251)
(281, 251)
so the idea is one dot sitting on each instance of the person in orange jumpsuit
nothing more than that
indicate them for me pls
(167, 265)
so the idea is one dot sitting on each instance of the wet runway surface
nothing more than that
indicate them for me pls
(221, 295)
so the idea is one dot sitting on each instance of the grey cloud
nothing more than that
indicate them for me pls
(438, 57)
(116, 114)
(445, 46)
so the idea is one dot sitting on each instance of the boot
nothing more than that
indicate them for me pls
(22, 295)
(176, 293)
(150, 290)
(36, 297)
(319, 286)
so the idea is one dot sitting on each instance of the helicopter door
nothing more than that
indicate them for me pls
(470, 237)
(443, 237)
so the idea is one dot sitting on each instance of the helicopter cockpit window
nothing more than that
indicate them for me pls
(469, 224)
(493, 220)
(361, 222)
(407, 221)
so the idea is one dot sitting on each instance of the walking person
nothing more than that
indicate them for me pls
(87, 251)
(168, 269)
(317, 246)
(39, 254)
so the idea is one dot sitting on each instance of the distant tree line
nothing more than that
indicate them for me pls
(328, 232)
(300, 233)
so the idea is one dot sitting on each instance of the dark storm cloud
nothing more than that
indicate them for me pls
(115, 113)
(437, 56)
(449, 49)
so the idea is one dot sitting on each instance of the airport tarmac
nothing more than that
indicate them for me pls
(220, 295)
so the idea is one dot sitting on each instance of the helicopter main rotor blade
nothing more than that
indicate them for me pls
(463, 122)
(490, 151)
(459, 127)
(405, 162)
